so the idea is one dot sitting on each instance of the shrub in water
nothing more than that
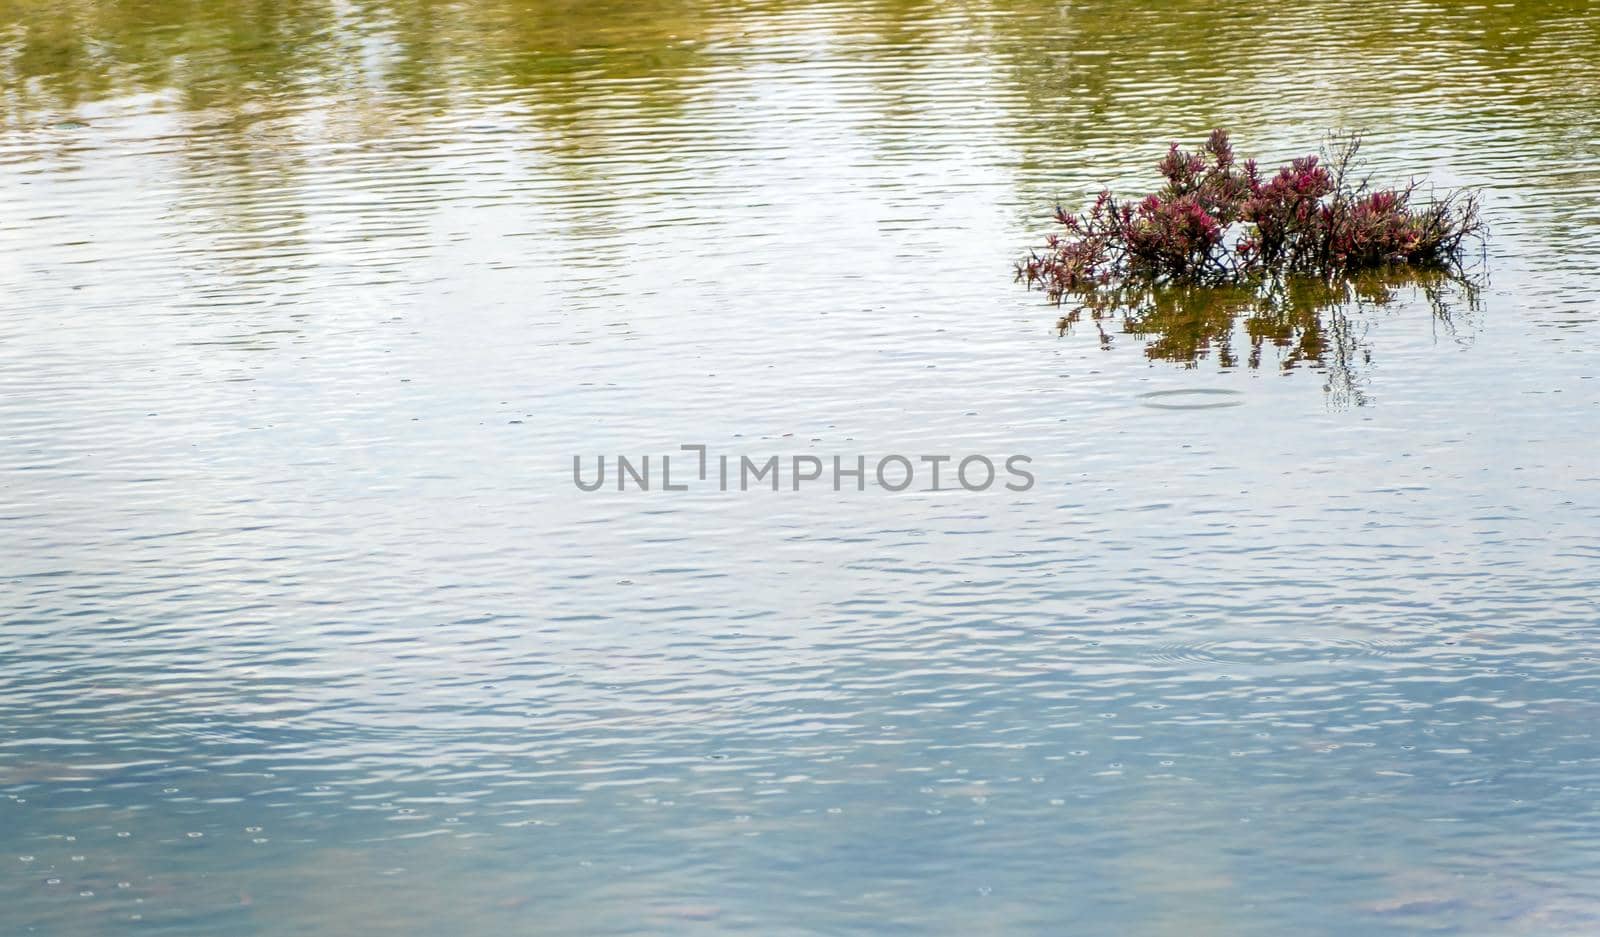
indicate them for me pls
(1218, 221)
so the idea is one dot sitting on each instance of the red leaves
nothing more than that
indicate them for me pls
(1309, 217)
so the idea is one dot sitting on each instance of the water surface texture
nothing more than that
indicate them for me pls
(305, 308)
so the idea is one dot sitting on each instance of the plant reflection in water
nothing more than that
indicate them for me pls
(1287, 323)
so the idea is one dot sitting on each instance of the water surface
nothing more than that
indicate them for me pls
(306, 307)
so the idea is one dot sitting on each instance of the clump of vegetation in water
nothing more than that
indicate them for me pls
(1218, 220)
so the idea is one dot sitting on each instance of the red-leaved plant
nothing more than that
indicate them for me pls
(1220, 221)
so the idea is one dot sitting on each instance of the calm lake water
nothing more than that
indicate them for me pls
(306, 307)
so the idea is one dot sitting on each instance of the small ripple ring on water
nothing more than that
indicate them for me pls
(1195, 398)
